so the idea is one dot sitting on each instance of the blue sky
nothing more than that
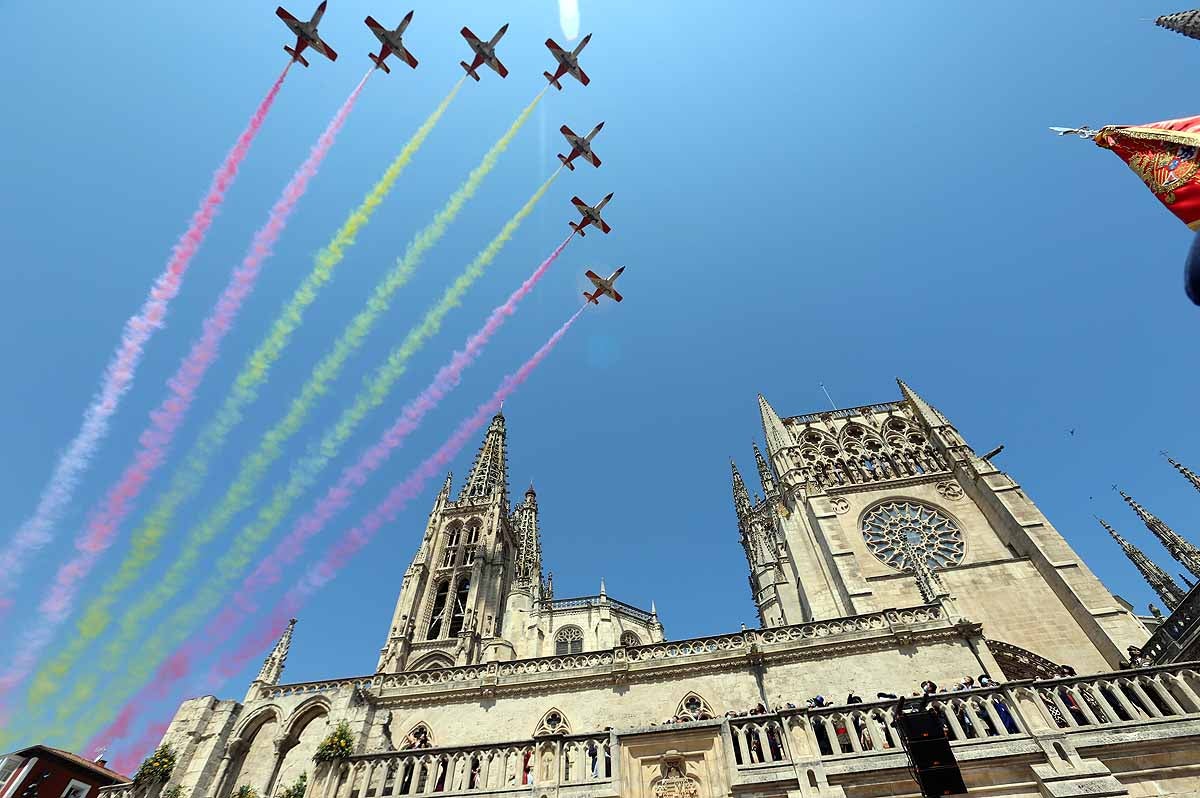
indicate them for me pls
(805, 193)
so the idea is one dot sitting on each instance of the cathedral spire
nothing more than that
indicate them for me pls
(272, 668)
(444, 493)
(928, 414)
(764, 471)
(1188, 474)
(528, 570)
(741, 498)
(1176, 545)
(489, 473)
(776, 435)
(1156, 577)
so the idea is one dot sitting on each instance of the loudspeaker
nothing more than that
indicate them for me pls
(934, 765)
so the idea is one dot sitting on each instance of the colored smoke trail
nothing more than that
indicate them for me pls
(334, 559)
(37, 531)
(287, 550)
(132, 758)
(104, 521)
(241, 492)
(147, 540)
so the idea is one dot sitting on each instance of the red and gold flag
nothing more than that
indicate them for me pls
(1166, 156)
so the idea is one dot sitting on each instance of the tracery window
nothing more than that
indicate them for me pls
(438, 613)
(459, 611)
(630, 639)
(693, 707)
(569, 640)
(928, 532)
(453, 535)
(553, 722)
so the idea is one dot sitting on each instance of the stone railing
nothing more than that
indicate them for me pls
(559, 761)
(597, 601)
(1115, 699)
(125, 790)
(758, 740)
(848, 412)
(305, 688)
(1179, 631)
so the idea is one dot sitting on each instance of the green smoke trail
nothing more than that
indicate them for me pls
(255, 466)
(147, 540)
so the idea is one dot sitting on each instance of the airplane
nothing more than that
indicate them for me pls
(590, 215)
(485, 53)
(568, 63)
(306, 34)
(391, 42)
(579, 147)
(604, 286)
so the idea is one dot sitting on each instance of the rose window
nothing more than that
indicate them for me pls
(928, 533)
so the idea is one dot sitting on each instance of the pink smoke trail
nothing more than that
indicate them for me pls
(37, 531)
(155, 440)
(335, 557)
(132, 758)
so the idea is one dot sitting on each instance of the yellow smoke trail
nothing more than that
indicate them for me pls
(188, 479)
(254, 467)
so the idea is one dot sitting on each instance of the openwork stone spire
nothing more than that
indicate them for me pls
(489, 473)
(928, 582)
(926, 412)
(764, 471)
(1188, 474)
(528, 571)
(741, 498)
(1156, 577)
(776, 435)
(272, 668)
(1184, 22)
(1176, 545)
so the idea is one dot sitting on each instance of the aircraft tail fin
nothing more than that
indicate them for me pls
(578, 228)
(593, 298)
(295, 55)
(380, 63)
(570, 166)
(553, 81)
(470, 71)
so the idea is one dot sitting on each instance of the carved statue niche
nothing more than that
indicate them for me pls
(674, 781)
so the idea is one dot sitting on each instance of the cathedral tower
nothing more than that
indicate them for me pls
(452, 597)
(885, 505)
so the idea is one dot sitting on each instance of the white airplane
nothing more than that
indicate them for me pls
(568, 63)
(391, 41)
(306, 34)
(580, 147)
(604, 286)
(485, 53)
(590, 215)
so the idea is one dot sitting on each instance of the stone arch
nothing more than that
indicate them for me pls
(419, 736)
(630, 638)
(1018, 663)
(436, 659)
(553, 722)
(568, 640)
(694, 707)
(253, 754)
(304, 730)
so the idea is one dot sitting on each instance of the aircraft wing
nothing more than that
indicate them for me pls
(554, 48)
(580, 204)
(501, 70)
(595, 278)
(324, 49)
(407, 57)
(612, 292)
(292, 23)
(377, 29)
(591, 158)
(583, 78)
(570, 134)
(471, 38)
(603, 225)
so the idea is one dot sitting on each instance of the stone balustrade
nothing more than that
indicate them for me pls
(1179, 635)
(521, 766)
(125, 790)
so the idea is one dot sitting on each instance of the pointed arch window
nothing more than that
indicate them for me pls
(438, 614)
(453, 536)
(553, 722)
(459, 611)
(693, 707)
(630, 639)
(419, 737)
(569, 640)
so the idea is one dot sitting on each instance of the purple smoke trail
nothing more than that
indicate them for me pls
(177, 666)
(155, 440)
(37, 531)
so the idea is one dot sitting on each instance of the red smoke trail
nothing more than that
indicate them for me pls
(335, 557)
(37, 531)
(155, 440)
(270, 568)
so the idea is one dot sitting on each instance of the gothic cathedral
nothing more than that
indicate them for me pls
(883, 552)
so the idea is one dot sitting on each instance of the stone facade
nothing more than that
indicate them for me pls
(882, 551)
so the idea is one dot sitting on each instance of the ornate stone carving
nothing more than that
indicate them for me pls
(892, 527)
(949, 490)
(839, 505)
(677, 787)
